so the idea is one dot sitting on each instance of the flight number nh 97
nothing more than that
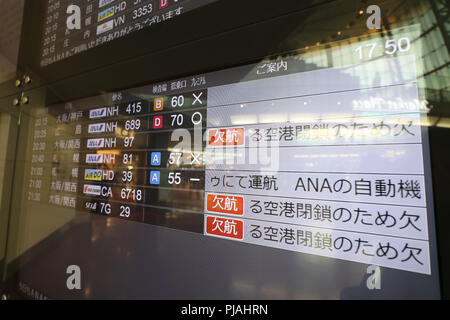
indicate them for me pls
(128, 142)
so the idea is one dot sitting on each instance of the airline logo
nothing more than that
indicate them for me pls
(97, 113)
(105, 14)
(94, 175)
(96, 143)
(105, 27)
(91, 205)
(92, 190)
(94, 158)
(103, 3)
(96, 128)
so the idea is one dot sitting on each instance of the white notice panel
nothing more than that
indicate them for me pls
(323, 163)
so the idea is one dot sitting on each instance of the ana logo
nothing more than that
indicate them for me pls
(97, 113)
(94, 158)
(91, 189)
(103, 3)
(105, 14)
(94, 175)
(96, 128)
(96, 143)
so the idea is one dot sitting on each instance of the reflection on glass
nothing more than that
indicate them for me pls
(11, 12)
(322, 151)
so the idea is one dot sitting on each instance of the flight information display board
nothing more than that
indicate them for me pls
(71, 27)
(327, 161)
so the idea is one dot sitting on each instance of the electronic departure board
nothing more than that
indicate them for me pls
(328, 161)
(70, 28)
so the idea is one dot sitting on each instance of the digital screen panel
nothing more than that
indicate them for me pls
(71, 27)
(328, 161)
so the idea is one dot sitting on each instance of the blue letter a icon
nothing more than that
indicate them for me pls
(154, 177)
(156, 159)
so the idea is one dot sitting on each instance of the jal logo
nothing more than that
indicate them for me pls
(92, 190)
(94, 158)
(103, 3)
(96, 143)
(97, 113)
(163, 4)
(96, 128)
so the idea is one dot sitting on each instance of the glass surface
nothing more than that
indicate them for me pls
(90, 25)
(8, 140)
(314, 162)
(292, 154)
(4, 125)
(11, 12)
